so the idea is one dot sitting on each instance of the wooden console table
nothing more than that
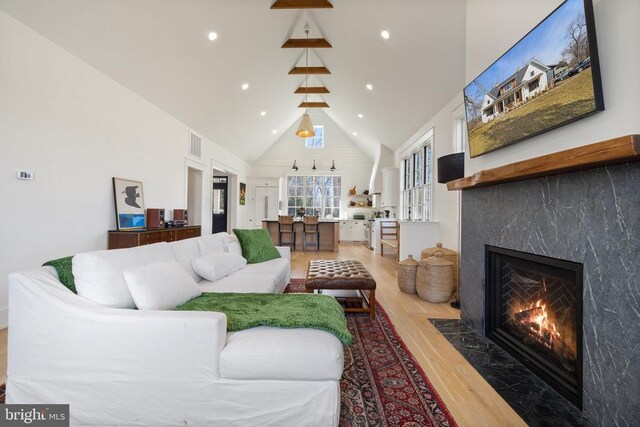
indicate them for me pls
(132, 238)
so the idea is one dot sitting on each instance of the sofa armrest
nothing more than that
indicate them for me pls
(57, 334)
(285, 251)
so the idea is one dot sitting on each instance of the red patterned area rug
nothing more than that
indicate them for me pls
(382, 384)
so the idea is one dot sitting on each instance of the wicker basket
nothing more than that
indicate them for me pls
(449, 255)
(434, 279)
(407, 270)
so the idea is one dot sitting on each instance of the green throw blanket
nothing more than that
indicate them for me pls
(246, 311)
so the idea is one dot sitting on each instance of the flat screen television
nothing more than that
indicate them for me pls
(551, 77)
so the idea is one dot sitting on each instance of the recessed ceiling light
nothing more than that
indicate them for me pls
(263, 113)
(213, 35)
(369, 86)
(385, 34)
(274, 131)
(360, 116)
(245, 86)
(354, 133)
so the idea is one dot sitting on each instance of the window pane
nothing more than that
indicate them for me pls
(318, 195)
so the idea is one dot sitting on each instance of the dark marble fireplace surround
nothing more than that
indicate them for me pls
(591, 217)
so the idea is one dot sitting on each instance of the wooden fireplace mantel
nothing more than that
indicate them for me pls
(613, 151)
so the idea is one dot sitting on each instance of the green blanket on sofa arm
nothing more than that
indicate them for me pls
(246, 311)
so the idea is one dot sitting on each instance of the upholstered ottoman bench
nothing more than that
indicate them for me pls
(343, 275)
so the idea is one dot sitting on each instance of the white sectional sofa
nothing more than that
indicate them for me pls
(121, 366)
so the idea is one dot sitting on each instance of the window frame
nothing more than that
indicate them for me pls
(316, 138)
(330, 201)
(417, 189)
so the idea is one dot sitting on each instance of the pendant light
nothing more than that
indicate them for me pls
(305, 129)
(314, 166)
(333, 166)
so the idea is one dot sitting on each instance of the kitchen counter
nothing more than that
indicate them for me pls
(329, 234)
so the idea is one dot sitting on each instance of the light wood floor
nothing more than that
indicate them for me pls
(469, 398)
(471, 401)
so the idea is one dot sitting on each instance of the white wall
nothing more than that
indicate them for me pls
(445, 203)
(352, 164)
(618, 37)
(75, 128)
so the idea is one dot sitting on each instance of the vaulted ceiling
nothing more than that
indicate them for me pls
(160, 49)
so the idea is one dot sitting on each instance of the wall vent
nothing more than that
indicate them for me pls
(195, 144)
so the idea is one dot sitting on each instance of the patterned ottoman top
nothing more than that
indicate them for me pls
(333, 274)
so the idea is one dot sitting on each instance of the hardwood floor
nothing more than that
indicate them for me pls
(471, 401)
(469, 398)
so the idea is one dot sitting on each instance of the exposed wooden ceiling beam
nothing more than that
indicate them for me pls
(301, 4)
(313, 105)
(306, 43)
(309, 70)
(312, 89)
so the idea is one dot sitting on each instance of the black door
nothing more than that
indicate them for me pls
(219, 204)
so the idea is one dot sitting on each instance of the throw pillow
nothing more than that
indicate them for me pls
(256, 245)
(161, 286)
(65, 274)
(216, 266)
(212, 243)
(233, 245)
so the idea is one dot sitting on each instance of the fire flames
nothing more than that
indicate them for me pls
(535, 320)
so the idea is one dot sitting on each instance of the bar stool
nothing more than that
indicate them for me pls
(310, 228)
(285, 226)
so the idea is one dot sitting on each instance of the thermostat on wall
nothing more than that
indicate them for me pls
(25, 175)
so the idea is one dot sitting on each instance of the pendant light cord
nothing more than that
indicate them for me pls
(306, 76)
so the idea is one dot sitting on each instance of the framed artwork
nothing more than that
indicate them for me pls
(129, 203)
(243, 192)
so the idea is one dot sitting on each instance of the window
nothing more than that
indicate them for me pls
(534, 85)
(318, 140)
(532, 73)
(318, 195)
(416, 194)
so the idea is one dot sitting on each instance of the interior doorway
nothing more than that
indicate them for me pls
(219, 204)
(194, 195)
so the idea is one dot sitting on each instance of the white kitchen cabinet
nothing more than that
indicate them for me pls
(390, 187)
(345, 231)
(358, 231)
(352, 230)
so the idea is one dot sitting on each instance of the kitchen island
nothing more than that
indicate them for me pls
(329, 234)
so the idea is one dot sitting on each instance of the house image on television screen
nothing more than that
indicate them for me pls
(520, 87)
(545, 80)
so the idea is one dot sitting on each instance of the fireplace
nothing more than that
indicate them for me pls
(534, 311)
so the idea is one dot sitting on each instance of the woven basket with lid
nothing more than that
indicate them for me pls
(407, 270)
(434, 279)
(448, 254)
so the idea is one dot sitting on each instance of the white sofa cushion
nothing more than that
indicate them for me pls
(160, 286)
(241, 284)
(215, 266)
(266, 353)
(212, 243)
(184, 251)
(279, 269)
(98, 275)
